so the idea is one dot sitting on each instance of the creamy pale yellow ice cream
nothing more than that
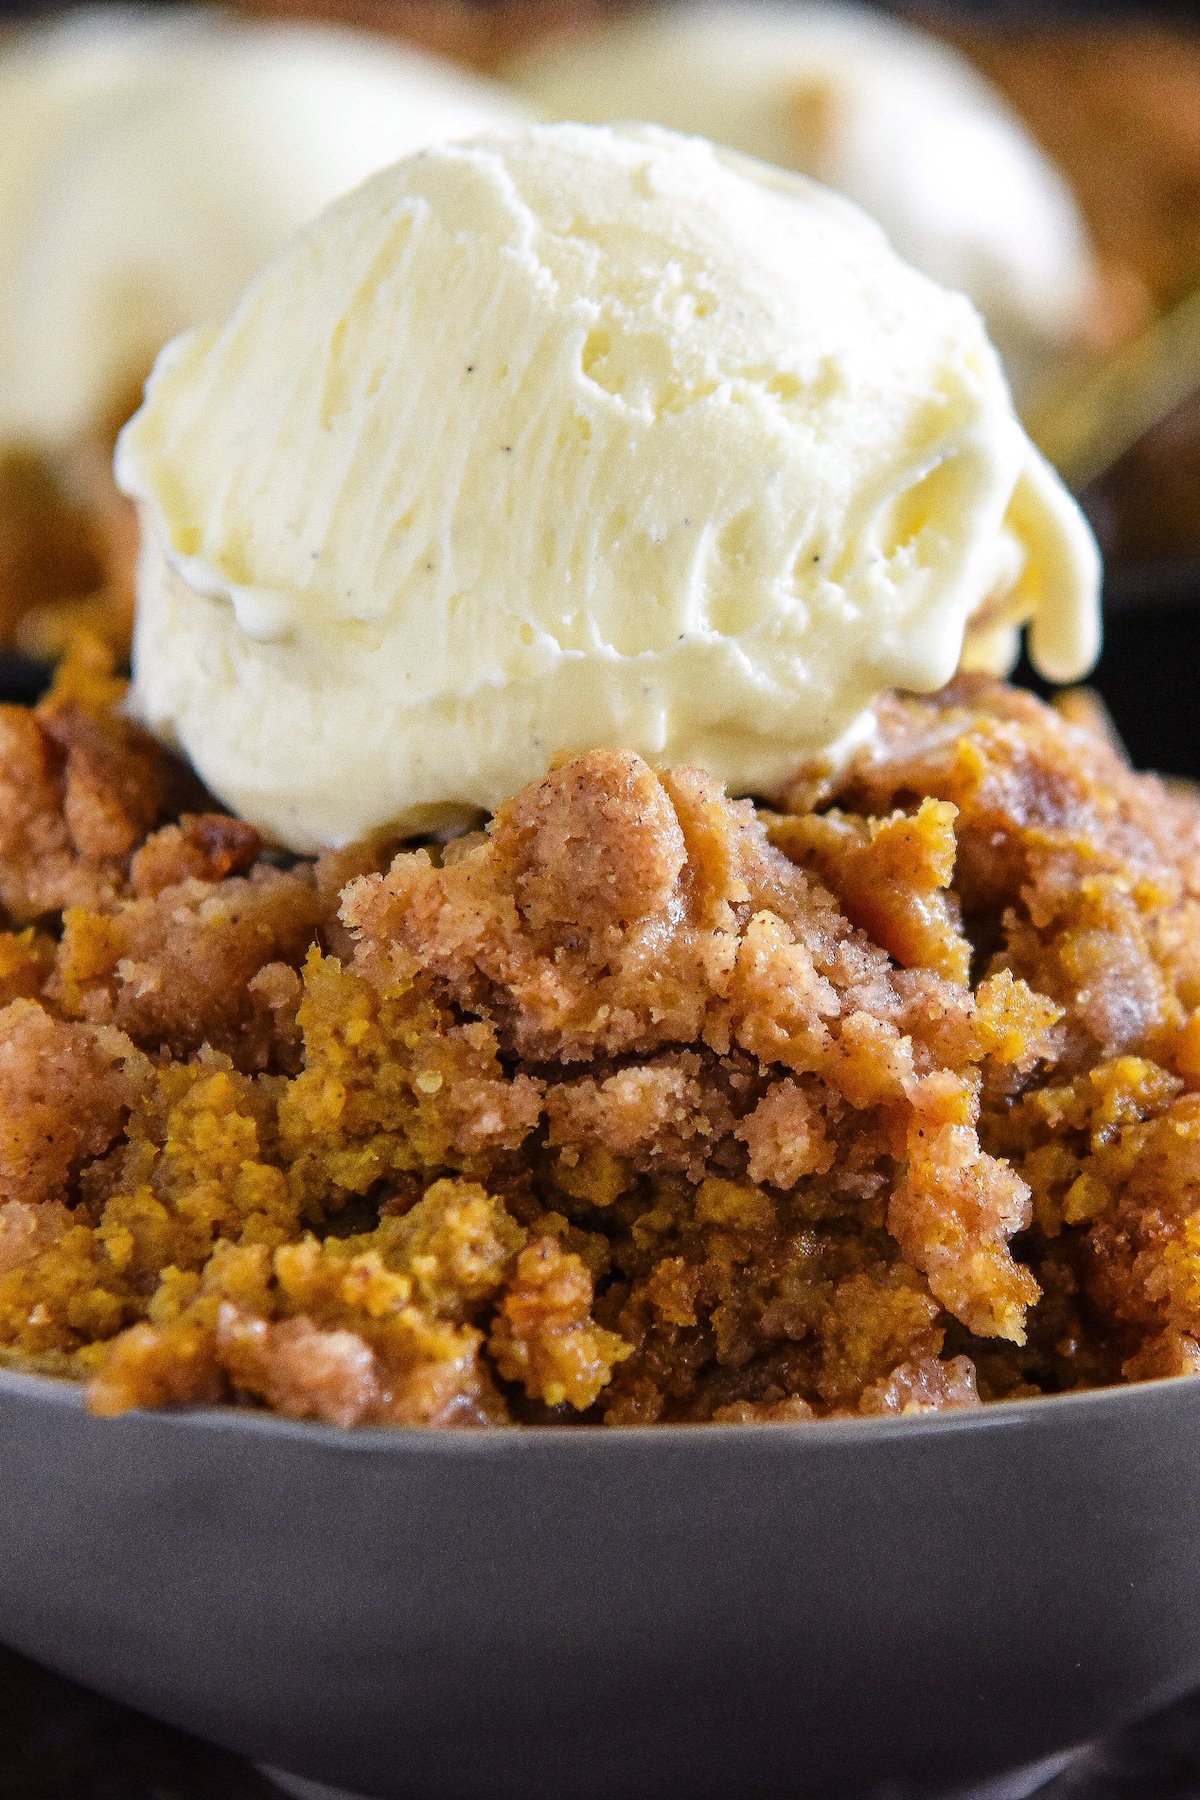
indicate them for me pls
(575, 437)
(877, 109)
(148, 166)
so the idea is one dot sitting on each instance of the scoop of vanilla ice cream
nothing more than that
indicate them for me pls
(575, 437)
(877, 109)
(148, 166)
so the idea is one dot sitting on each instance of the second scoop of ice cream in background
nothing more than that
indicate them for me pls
(571, 437)
(149, 163)
(892, 118)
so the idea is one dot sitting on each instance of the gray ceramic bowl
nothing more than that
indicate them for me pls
(557, 1615)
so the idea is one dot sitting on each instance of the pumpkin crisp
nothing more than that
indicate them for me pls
(642, 1105)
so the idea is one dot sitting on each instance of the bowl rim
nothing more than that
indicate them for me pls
(1022, 1414)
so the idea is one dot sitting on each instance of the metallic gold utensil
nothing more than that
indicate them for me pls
(1085, 426)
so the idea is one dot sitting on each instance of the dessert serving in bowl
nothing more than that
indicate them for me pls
(629, 988)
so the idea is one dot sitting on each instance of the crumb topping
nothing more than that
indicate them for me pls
(643, 1105)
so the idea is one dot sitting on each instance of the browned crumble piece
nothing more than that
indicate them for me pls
(926, 1386)
(298, 1369)
(201, 847)
(80, 788)
(150, 1367)
(27, 1227)
(181, 969)
(66, 1091)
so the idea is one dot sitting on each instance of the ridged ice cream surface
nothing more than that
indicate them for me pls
(885, 113)
(151, 161)
(569, 437)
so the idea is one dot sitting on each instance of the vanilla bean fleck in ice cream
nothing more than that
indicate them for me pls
(573, 437)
